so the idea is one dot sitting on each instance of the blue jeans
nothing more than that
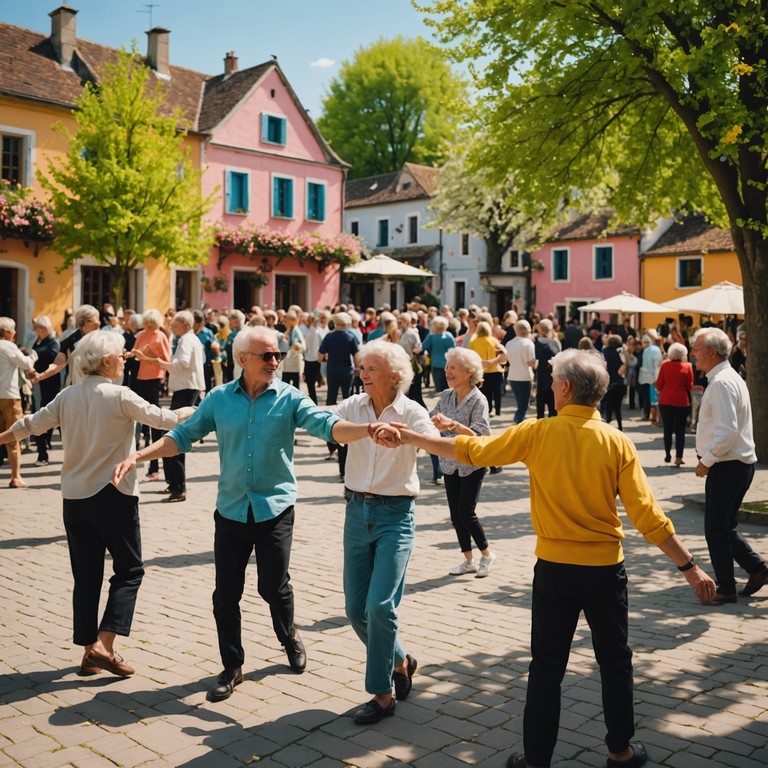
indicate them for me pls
(439, 380)
(522, 392)
(378, 539)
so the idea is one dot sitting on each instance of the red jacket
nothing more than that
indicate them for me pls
(674, 383)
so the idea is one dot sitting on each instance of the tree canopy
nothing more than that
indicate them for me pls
(654, 105)
(126, 189)
(397, 101)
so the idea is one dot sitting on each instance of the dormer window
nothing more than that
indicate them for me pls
(273, 129)
(406, 185)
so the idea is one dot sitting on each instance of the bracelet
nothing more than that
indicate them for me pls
(687, 566)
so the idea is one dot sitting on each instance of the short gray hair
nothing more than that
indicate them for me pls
(397, 358)
(715, 339)
(91, 350)
(439, 322)
(545, 326)
(469, 360)
(236, 314)
(152, 317)
(586, 371)
(7, 324)
(83, 313)
(522, 325)
(246, 335)
(677, 351)
(43, 322)
(185, 317)
(342, 320)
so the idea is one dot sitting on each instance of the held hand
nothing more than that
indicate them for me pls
(123, 468)
(701, 470)
(185, 412)
(443, 423)
(386, 435)
(702, 584)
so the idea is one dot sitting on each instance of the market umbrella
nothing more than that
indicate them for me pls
(624, 302)
(722, 299)
(380, 265)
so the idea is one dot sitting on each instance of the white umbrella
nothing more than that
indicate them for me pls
(624, 302)
(722, 299)
(380, 265)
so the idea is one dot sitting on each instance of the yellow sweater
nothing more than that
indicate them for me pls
(578, 465)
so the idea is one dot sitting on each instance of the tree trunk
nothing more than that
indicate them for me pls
(752, 250)
(118, 289)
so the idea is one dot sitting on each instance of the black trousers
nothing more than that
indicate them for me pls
(150, 390)
(174, 467)
(312, 375)
(491, 388)
(612, 401)
(674, 418)
(727, 483)
(560, 593)
(106, 522)
(545, 399)
(338, 383)
(463, 493)
(292, 378)
(233, 545)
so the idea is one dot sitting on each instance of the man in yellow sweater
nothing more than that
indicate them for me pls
(578, 465)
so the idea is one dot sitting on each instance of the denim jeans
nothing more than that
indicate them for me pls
(439, 380)
(378, 540)
(522, 392)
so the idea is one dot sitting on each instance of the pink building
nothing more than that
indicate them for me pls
(275, 174)
(582, 262)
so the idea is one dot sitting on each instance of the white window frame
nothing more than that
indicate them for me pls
(408, 220)
(552, 265)
(351, 222)
(389, 231)
(680, 259)
(594, 262)
(456, 282)
(319, 183)
(28, 151)
(272, 178)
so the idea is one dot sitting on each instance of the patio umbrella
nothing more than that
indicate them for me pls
(624, 302)
(380, 265)
(722, 299)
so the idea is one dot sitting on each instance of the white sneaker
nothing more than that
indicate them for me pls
(485, 566)
(467, 566)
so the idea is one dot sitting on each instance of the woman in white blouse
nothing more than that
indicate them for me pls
(381, 487)
(97, 427)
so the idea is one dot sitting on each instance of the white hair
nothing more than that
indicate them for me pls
(439, 322)
(469, 359)
(153, 318)
(7, 324)
(522, 325)
(243, 339)
(715, 339)
(587, 372)
(83, 313)
(185, 317)
(398, 360)
(43, 322)
(91, 350)
(342, 320)
(677, 351)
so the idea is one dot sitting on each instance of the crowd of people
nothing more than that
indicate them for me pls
(243, 377)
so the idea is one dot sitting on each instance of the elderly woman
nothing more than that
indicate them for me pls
(293, 365)
(492, 353)
(674, 387)
(97, 419)
(463, 410)
(615, 362)
(381, 486)
(437, 344)
(47, 348)
(151, 344)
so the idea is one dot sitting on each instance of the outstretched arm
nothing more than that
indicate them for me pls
(162, 448)
(393, 434)
(699, 581)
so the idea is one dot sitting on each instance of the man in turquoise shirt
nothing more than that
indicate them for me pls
(255, 419)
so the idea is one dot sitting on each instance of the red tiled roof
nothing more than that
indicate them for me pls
(692, 234)
(412, 182)
(591, 226)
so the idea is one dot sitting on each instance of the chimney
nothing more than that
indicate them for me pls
(157, 50)
(64, 34)
(230, 64)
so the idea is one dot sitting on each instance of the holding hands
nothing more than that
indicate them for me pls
(443, 423)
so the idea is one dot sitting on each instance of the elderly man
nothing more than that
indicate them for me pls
(186, 380)
(255, 419)
(521, 354)
(727, 459)
(580, 563)
(12, 360)
(339, 348)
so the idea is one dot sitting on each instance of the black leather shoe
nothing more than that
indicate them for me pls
(404, 683)
(516, 760)
(372, 712)
(225, 685)
(297, 654)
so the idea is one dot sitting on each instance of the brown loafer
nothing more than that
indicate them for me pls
(87, 669)
(116, 665)
(754, 582)
(720, 599)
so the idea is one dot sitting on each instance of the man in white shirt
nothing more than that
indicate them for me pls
(727, 458)
(12, 360)
(186, 379)
(521, 354)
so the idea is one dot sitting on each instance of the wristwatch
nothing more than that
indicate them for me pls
(687, 566)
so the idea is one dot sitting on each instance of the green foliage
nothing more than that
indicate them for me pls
(126, 190)
(397, 101)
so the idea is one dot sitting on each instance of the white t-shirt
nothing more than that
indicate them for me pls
(520, 352)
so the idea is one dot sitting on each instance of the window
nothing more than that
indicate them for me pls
(290, 289)
(412, 223)
(273, 129)
(514, 260)
(237, 192)
(604, 262)
(16, 148)
(97, 284)
(689, 273)
(282, 197)
(460, 293)
(465, 245)
(382, 233)
(354, 227)
(315, 201)
(560, 264)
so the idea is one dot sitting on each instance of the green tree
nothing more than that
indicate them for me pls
(126, 189)
(397, 101)
(660, 105)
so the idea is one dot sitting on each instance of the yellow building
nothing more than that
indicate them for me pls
(37, 91)
(689, 256)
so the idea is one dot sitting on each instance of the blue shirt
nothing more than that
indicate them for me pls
(340, 346)
(437, 344)
(255, 438)
(206, 339)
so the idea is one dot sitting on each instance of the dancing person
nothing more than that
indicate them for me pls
(615, 362)
(522, 362)
(674, 384)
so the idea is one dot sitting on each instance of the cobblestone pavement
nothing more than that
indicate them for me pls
(701, 674)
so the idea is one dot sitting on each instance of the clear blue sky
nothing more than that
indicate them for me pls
(305, 35)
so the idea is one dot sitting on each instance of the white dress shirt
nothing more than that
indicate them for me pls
(97, 428)
(186, 371)
(724, 431)
(12, 360)
(372, 468)
(520, 353)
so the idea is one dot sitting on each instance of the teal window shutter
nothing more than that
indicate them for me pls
(264, 127)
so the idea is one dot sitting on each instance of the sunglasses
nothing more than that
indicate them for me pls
(269, 356)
